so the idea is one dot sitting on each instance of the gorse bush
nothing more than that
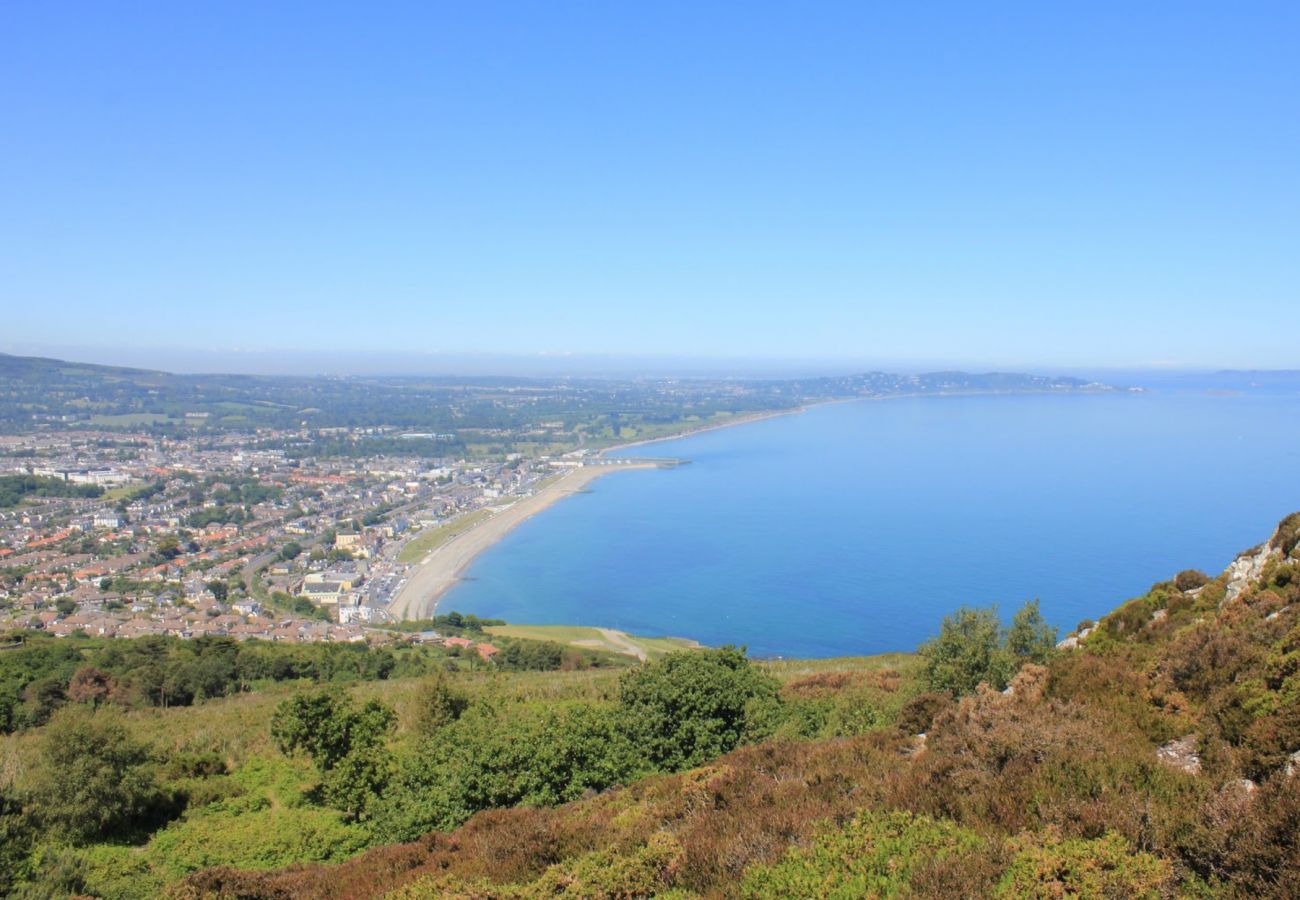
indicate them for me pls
(1048, 866)
(1287, 537)
(438, 704)
(1190, 579)
(875, 855)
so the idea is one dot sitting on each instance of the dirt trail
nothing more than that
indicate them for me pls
(619, 639)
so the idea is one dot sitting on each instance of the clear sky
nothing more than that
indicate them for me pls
(991, 183)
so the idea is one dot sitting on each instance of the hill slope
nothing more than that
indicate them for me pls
(1152, 756)
(35, 391)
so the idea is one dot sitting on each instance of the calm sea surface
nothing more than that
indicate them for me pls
(853, 528)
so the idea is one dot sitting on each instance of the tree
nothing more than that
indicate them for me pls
(972, 648)
(967, 652)
(95, 782)
(345, 743)
(66, 606)
(291, 550)
(438, 704)
(90, 685)
(1030, 639)
(43, 696)
(219, 590)
(690, 707)
(15, 840)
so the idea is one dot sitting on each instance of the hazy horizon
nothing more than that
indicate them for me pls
(578, 365)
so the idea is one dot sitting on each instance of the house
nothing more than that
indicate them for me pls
(107, 518)
(322, 592)
(348, 540)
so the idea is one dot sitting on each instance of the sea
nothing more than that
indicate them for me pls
(854, 528)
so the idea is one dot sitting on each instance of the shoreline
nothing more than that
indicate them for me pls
(718, 426)
(441, 569)
(750, 418)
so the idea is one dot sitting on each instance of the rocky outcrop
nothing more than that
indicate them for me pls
(1181, 754)
(1246, 569)
(1075, 640)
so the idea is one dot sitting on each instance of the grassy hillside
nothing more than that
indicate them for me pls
(223, 791)
(1151, 756)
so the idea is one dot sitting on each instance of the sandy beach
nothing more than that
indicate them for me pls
(439, 571)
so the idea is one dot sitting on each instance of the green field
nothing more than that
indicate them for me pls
(122, 492)
(129, 420)
(586, 636)
(421, 544)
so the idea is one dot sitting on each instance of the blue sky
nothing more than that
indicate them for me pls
(1032, 184)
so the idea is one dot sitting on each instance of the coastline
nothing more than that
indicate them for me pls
(440, 570)
(750, 418)
(717, 426)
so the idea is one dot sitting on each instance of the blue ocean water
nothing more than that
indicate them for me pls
(852, 528)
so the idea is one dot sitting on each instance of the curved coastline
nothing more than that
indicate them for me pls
(443, 567)
(715, 426)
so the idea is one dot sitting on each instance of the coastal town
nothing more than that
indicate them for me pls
(217, 535)
(136, 502)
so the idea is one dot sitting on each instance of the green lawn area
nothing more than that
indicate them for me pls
(421, 544)
(564, 634)
(128, 420)
(586, 636)
(123, 491)
(658, 646)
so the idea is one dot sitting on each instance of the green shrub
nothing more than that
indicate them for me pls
(95, 781)
(972, 648)
(1048, 866)
(1190, 580)
(255, 840)
(688, 708)
(1287, 536)
(437, 704)
(345, 743)
(875, 855)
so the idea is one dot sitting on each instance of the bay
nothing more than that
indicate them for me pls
(853, 528)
